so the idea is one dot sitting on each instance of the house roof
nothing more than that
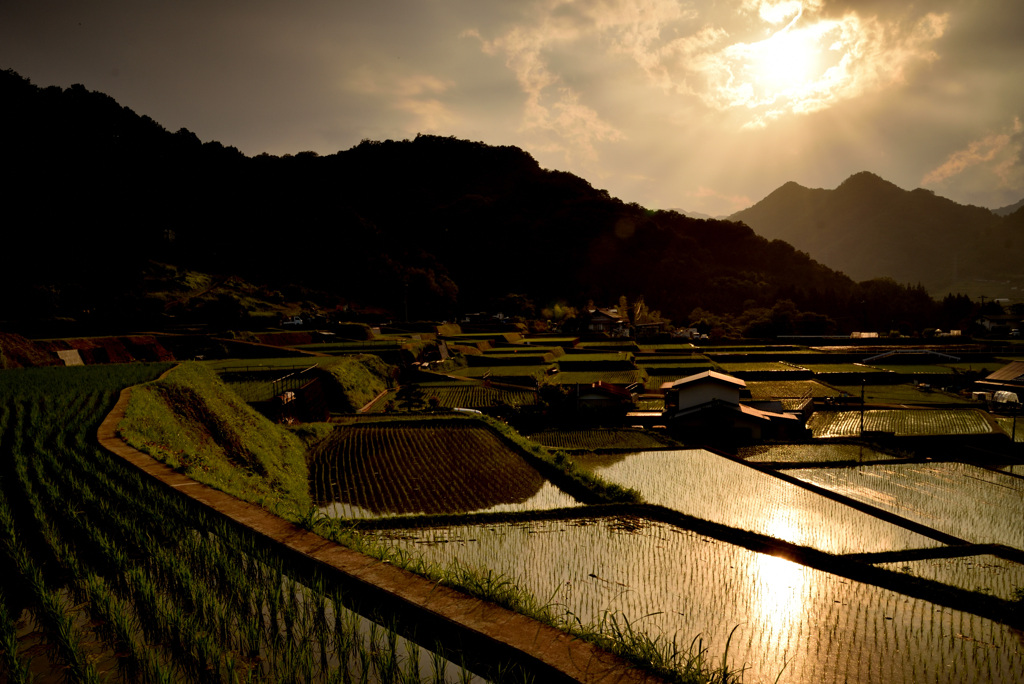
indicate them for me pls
(602, 387)
(611, 314)
(767, 415)
(706, 376)
(744, 410)
(1011, 372)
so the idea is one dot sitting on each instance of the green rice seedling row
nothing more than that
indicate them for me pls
(811, 453)
(666, 346)
(478, 396)
(843, 368)
(532, 373)
(444, 467)
(749, 366)
(916, 369)
(594, 439)
(1013, 428)
(905, 393)
(901, 422)
(777, 620)
(775, 389)
(622, 377)
(692, 481)
(972, 503)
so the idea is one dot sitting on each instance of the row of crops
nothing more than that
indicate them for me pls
(110, 577)
(440, 467)
(601, 439)
(900, 422)
(467, 395)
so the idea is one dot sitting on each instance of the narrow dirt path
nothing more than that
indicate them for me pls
(552, 654)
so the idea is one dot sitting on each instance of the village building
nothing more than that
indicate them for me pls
(605, 399)
(1000, 324)
(1005, 382)
(608, 322)
(708, 405)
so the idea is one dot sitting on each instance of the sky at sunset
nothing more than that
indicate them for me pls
(704, 106)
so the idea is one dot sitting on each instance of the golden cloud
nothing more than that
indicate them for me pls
(999, 153)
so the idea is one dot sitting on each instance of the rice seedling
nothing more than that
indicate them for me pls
(434, 467)
(15, 665)
(901, 422)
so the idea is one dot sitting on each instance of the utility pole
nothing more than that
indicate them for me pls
(863, 381)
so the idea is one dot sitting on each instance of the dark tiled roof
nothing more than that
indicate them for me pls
(1011, 372)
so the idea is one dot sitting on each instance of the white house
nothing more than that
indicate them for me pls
(694, 390)
(708, 405)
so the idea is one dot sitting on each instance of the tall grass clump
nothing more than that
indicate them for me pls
(191, 421)
(666, 658)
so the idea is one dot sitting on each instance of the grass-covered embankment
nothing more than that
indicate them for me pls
(192, 422)
(354, 381)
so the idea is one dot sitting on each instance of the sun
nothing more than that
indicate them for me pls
(783, 63)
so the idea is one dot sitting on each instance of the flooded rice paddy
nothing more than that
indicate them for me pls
(808, 625)
(778, 618)
(702, 484)
(547, 497)
(982, 573)
(900, 422)
(975, 504)
(812, 453)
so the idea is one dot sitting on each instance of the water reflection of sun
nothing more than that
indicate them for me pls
(779, 585)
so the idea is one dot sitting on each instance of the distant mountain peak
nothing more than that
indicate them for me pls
(869, 227)
(865, 180)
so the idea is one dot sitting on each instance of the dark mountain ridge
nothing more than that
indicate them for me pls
(1009, 209)
(427, 228)
(870, 228)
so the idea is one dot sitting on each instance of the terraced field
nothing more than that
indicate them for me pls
(901, 422)
(435, 467)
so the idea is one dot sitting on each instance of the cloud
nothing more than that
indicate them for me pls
(770, 58)
(551, 107)
(998, 156)
(814, 63)
(415, 94)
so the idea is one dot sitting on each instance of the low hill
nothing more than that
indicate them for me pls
(868, 228)
(429, 228)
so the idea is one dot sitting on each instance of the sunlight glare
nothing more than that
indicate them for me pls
(784, 62)
(781, 585)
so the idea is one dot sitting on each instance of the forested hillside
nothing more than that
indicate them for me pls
(428, 228)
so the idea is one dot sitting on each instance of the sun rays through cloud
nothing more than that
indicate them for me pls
(771, 59)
